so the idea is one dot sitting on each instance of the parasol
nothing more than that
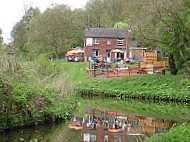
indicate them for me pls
(117, 51)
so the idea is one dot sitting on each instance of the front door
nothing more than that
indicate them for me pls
(108, 55)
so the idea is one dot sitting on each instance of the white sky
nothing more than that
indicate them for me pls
(11, 11)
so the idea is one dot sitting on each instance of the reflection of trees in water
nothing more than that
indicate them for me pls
(43, 133)
(67, 135)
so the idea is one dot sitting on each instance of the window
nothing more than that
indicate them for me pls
(120, 41)
(86, 137)
(108, 41)
(95, 52)
(88, 41)
(96, 41)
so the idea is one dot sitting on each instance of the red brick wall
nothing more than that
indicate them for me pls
(102, 46)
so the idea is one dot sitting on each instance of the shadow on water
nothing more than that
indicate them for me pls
(141, 120)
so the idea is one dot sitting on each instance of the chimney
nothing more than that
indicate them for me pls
(129, 24)
(86, 25)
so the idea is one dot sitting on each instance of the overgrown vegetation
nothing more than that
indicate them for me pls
(177, 134)
(155, 87)
(33, 92)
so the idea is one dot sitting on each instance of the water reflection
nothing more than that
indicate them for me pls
(108, 126)
(53, 132)
(98, 125)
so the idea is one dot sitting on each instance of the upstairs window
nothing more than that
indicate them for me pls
(108, 41)
(120, 42)
(96, 41)
(88, 41)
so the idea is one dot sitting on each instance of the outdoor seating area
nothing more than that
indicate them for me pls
(99, 68)
(75, 55)
(127, 67)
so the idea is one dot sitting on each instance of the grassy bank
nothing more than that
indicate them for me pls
(156, 87)
(177, 134)
(74, 72)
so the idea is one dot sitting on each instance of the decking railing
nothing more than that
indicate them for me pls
(113, 72)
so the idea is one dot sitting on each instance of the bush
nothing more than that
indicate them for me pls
(176, 134)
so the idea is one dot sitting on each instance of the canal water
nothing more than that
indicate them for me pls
(104, 125)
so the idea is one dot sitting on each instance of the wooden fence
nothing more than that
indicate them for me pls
(113, 72)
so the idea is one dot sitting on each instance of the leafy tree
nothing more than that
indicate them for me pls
(59, 29)
(19, 30)
(175, 37)
(163, 24)
(1, 38)
(52, 29)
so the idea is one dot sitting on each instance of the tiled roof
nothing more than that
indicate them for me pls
(107, 32)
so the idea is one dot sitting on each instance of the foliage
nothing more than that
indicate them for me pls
(156, 87)
(19, 32)
(31, 94)
(53, 32)
(174, 35)
(121, 25)
(1, 39)
(177, 134)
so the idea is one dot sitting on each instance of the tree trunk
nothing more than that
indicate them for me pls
(173, 68)
(56, 52)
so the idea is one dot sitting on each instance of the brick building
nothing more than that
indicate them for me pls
(99, 42)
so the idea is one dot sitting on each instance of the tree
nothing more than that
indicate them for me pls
(105, 13)
(1, 38)
(163, 24)
(52, 29)
(59, 29)
(19, 31)
(174, 34)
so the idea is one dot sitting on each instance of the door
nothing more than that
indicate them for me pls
(108, 55)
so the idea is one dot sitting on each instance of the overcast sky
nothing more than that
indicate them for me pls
(11, 11)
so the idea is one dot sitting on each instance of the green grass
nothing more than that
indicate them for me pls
(178, 134)
(75, 72)
(147, 109)
(144, 86)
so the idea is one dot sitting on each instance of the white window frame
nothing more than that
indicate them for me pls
(96, 41)
(108, 41)
(120, 42)
(88, 41)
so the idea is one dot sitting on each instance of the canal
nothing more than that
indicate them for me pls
(106, 120)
